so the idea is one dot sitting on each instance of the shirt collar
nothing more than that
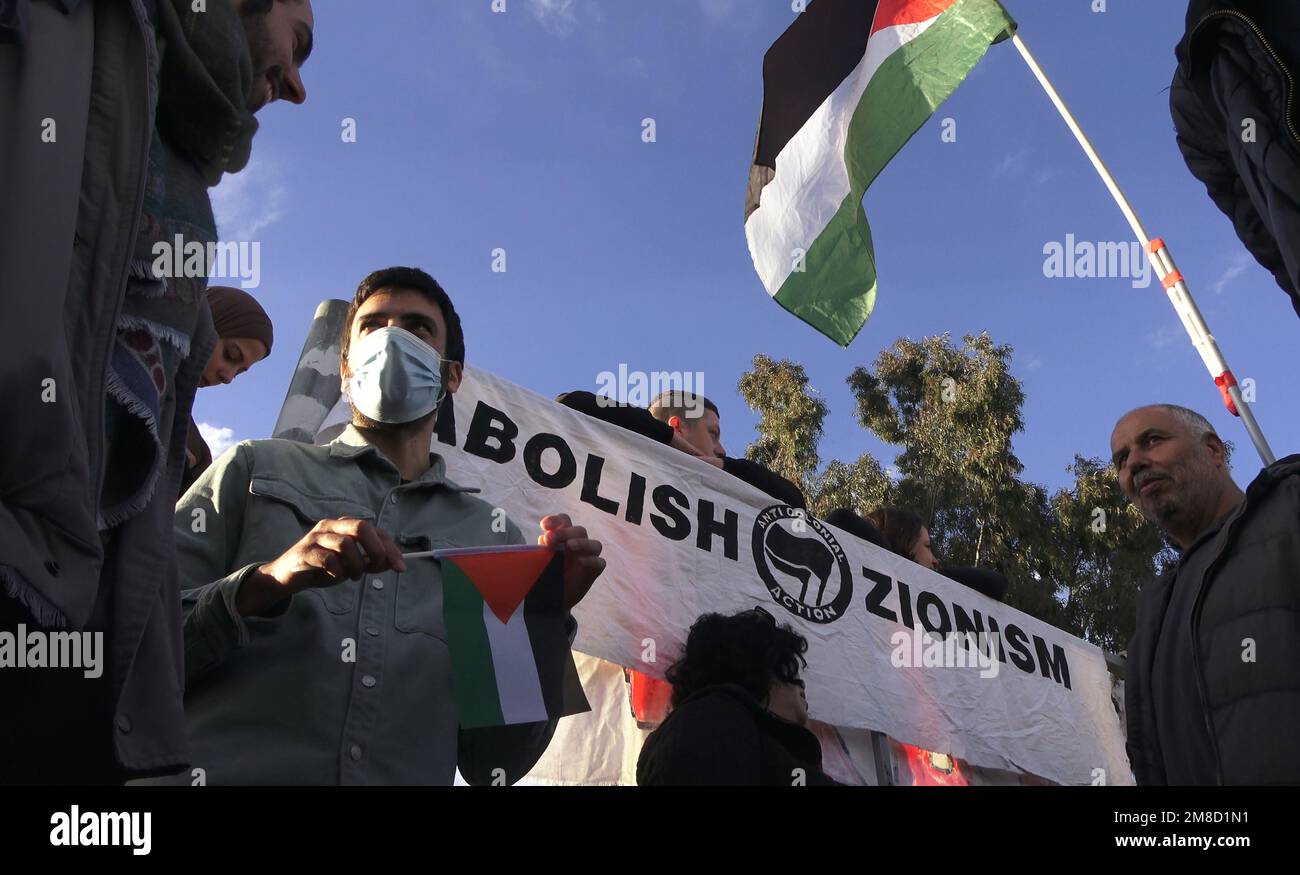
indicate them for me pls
(352, 444)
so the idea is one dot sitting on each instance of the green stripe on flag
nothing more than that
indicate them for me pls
(837, 290)
(472, 673)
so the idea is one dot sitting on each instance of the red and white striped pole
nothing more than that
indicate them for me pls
(1163, 263)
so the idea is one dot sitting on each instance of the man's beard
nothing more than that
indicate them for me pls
(1164, 510)
(1186, 492)
(395, 429)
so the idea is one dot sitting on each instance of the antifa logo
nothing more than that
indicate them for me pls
(801, 557)
(802, 565)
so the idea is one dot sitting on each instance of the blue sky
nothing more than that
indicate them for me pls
(522, 130)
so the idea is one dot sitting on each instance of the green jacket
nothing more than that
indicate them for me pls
(349, 684)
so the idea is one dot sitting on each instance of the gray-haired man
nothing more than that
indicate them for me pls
(1213, 692)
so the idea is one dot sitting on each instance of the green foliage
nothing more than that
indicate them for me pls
(792, 417)
(1103, 551)
(954, 412)
(860, 486)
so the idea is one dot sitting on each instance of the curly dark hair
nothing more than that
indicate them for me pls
(747, 649)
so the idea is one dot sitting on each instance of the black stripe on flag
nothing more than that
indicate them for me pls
(544, 616)
(801, 69)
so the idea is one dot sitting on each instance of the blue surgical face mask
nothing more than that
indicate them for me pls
(395, 376)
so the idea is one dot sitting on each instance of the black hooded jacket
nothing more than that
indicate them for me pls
(1244, 574)
(1233, 101)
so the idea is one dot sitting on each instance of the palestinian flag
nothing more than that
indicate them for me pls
(503, 608)
(844, 88)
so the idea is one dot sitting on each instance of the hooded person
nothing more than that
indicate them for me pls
(115, 120)
(245, 336)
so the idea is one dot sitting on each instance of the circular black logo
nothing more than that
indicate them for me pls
(802, 565)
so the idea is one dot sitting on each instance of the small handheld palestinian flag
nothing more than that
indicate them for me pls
(844, 88)
(503, 608)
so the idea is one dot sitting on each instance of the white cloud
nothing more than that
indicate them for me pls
(218, 438)
(1013, 163)
(557, 16)
(248, 201)
(718, 11)
(1235, 268)
(1165, 335)
(893, 474)
(733, 15)
(635, 67)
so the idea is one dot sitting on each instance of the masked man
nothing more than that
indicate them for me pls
(314, 653)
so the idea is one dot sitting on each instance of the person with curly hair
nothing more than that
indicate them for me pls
(739, 710)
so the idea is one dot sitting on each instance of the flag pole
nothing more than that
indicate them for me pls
(1163, 263)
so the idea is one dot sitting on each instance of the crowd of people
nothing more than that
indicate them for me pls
(223, 612)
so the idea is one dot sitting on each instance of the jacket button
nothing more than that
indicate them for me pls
(123, 723)
(372, 631)
(355, 753)
(376, 583)
(52, 567)
(368, 681)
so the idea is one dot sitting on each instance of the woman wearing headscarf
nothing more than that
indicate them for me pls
(246, 335)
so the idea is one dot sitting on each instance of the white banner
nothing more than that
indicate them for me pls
(682, 539)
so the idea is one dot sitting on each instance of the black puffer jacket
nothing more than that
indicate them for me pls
(723, 736)
(1233, 101)
(1245, 630)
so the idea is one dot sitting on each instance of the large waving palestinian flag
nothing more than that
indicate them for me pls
(844, 88)
(503, 609)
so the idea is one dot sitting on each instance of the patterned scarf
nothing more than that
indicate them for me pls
(203, 129)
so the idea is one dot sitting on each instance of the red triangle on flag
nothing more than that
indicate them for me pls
(891, 13)
(504, 579)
